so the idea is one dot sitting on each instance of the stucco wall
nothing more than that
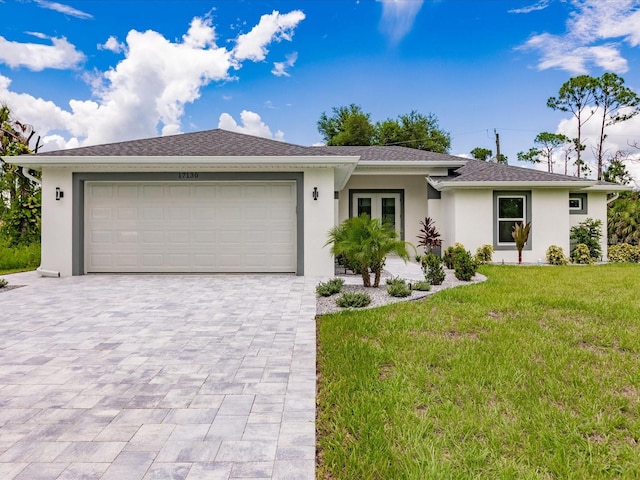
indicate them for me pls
(319, 217)
(473, 218)
(550, 223)
(468, 218)
(415, 198)
(57, 221)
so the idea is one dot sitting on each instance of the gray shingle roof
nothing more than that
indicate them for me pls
(390, 153)
(479, 171)
(223, 143)
(210, 143)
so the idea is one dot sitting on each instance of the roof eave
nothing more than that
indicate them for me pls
(172, 162)
(390, 164)
(609, 188)
(451, 185)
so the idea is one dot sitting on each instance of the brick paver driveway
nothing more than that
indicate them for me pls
(158, 376)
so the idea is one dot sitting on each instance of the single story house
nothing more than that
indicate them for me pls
(220, 201)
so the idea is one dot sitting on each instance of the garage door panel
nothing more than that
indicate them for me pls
(190, 227)
(152, 213)
(127, 192)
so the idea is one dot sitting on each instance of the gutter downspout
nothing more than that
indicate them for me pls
(47, 273)
(25, 172)
(615, 197)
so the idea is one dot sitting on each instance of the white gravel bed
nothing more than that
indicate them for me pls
(379, 296)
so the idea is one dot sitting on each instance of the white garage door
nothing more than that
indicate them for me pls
(190, 227)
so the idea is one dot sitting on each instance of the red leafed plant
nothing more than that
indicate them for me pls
(428, 237)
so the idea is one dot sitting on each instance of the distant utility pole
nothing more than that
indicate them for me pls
(497, 145)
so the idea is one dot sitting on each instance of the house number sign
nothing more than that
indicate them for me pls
(187, 175)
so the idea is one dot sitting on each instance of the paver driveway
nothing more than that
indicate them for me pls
(151, 377)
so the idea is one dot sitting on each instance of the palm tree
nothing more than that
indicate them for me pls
(521, 234)
(365, 243)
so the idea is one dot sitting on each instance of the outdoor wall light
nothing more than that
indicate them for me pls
(59, 193)
(315, 193)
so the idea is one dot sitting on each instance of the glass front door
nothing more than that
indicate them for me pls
(385, 206)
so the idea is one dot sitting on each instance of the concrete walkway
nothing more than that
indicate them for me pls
(151, 377)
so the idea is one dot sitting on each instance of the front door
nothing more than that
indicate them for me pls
(385, 206)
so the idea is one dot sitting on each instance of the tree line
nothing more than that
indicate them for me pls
(19, 195)
(605, 99)
(350, 125)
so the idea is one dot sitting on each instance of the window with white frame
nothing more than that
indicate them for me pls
(511, 209)
(578, 203)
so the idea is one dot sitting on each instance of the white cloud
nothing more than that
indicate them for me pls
(398, 17)
(272, 27)
(595, 31)
(280, 68)
(66, 9)
(252, 124)
(59, 55)
(541, 5)
(113, 45)
(144, 93)
(46, 116)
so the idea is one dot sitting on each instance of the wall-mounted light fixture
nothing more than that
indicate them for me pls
(59, 193)
(315, 193)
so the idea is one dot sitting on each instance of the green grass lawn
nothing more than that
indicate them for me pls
(19, 259)
(532, 374)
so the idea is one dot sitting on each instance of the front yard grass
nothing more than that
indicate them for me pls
(533, 374)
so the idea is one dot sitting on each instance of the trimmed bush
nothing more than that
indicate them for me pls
(397, 287)
(330, 287)
(451, 253)
(3, 283)
(624, 252)
(555, 256)
(484, 254)
(465, 266)
(581, 254)
(421, 286)
(353, 300)
(433, 270)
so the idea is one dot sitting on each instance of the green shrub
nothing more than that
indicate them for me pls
(465, 266)
(624, 252)
(451, 253)
(3, 283)
(353, 300)
(330, 287)
(421, 286)
(433, 270)
(555, 255)
(397, 287)
(484, 254)
(588, 233)
(581, 254)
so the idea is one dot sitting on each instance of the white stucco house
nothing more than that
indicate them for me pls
(218, 201)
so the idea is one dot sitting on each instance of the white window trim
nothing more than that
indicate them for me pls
(575, 199)
(522, 219)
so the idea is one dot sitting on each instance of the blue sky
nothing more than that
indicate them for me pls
(95, 71)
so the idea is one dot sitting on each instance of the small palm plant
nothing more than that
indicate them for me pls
(520, 234)
(366, 242)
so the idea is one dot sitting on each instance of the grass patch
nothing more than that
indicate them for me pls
(19, 259)
(534, 373)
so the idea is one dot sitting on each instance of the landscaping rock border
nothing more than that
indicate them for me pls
(380, 297)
